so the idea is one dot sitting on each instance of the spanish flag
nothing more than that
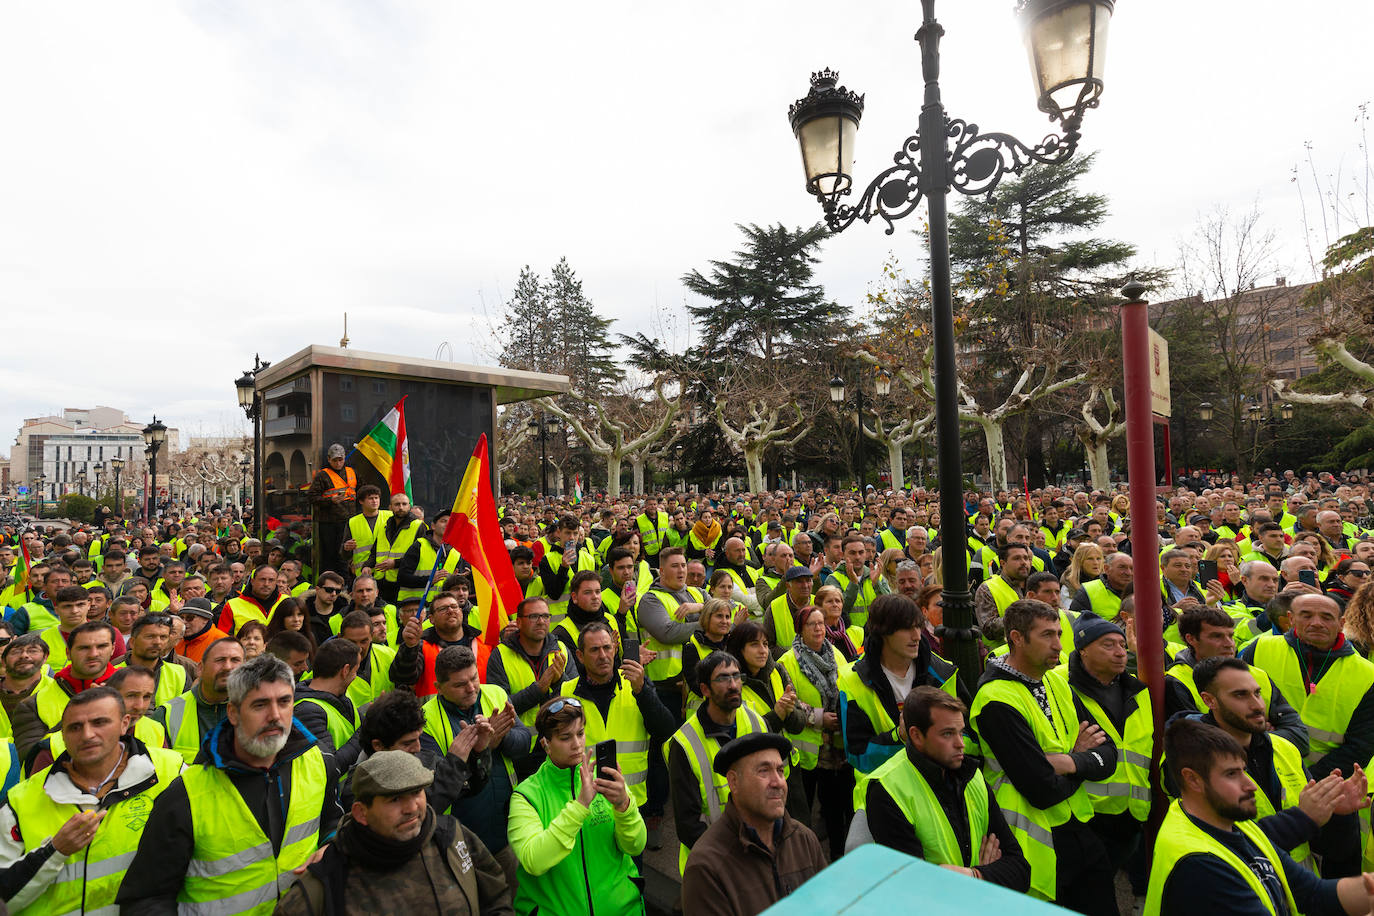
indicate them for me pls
(473, 530)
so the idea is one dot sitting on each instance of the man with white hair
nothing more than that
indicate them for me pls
(247, 817)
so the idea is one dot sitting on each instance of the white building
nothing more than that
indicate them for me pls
(66, 448)
(70, 462)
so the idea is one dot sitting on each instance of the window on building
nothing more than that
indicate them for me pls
(346, 413)
(345, 383)
(379, 386)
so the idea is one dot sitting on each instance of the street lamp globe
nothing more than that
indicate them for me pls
(155, 433)
(825, 122)
(836, 390)
(1066, 41)
(1254, 410)
(882, 383)
(1286, 411)
(1204, 411)
(117, 464)
(246, 389)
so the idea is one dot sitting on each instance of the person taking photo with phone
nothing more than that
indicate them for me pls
(564, 807)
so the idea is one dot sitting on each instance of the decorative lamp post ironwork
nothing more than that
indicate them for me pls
(246, 386)
(117, 464)
(1066, 41)
(244, 465)
(155, 435)
(542, 425)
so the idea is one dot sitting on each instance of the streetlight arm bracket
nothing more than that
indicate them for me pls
(975, 165)
(979, 162)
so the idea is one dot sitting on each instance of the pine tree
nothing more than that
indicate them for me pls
(765, 302)
(552, 326)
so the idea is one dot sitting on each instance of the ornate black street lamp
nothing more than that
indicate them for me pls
(246, 387)
(154, 434)
(1066, 41)
(882, 384)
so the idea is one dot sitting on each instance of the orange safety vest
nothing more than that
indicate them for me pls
(341, 486)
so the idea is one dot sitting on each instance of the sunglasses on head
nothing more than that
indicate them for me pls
(557, 705)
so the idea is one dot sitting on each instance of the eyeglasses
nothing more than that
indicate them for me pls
(332, 591)
(536, 617)
(557, 705)
(1361, 573)
(727, 678)
(6, 640)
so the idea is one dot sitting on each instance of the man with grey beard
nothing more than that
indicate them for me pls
(251, 813)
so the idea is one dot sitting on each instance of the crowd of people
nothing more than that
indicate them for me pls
(196, 719)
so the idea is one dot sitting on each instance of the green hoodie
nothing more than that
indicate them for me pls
(568, 852)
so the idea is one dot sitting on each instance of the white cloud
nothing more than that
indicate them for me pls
(186, 185)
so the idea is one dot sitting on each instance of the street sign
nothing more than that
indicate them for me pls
(1159, 375)
(23, 491)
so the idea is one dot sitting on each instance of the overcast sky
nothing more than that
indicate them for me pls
(183, 184)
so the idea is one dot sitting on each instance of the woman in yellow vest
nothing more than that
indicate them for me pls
(713, 626)
(848, 640)
(814, 666)
(769, 692)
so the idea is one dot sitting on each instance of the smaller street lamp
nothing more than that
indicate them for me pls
(155, 434)
(1204, 411)
(1286, 411)
(117, 464)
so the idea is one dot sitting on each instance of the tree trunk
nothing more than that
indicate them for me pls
(1098, 467)
(637, 473)
(894, 463)
(612, 476)
(997, 454)
(753, 465)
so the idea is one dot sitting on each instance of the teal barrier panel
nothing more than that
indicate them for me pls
(874, 879)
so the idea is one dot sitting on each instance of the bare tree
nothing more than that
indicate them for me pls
(1095, 433)
(627, 427)
(1345, 299)
(916, 414)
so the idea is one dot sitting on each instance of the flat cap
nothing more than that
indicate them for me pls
(750, 744)
(389, 773)
(798, 572)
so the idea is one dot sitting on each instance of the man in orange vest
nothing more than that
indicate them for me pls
(333, 501)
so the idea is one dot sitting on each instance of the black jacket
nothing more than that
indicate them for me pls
(159, 868)
(890, 827)
(316, 721)
(1204, 883)
(859, 736)
(1283, 718)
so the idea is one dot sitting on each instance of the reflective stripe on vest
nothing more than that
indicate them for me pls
(701, 751)
(625, 724)
(90, 877)
(1326, 711)
(1055, 735)
(342, 486)
(395, 550)
(428, 558)
(364, 535)
(1292, 780)
(1128, 788)
(668, 664)
(183, 725)
(232, 868)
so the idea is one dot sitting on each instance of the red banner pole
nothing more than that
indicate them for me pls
(1140, 463)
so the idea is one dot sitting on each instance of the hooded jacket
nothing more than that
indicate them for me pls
(155, 876)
